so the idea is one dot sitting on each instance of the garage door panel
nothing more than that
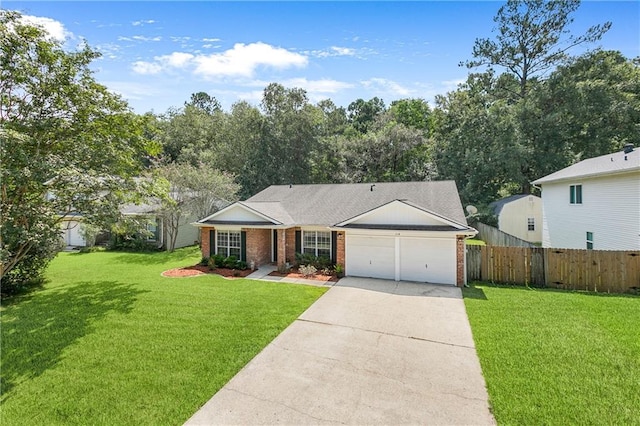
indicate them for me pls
(428, 260)
(371, 257)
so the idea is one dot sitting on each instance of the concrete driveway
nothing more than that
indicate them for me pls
(367, 352)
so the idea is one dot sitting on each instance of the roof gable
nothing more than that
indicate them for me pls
(399, 213)
(239, 213)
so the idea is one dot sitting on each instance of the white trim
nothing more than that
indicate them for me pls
(316, 240)
(468, 232)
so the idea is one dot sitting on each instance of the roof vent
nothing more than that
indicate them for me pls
(372, 186)
(628, 148)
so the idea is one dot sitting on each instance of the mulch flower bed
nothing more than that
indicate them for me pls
(295, 274)
(192, 271)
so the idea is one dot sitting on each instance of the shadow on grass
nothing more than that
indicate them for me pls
(157, 258)
(36, 330)
(473, 292)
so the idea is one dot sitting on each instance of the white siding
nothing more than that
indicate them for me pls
(610, 209)
(238, 213)
(513, 218)
(398, 213)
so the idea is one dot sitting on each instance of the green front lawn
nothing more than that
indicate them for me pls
(557, 357)
(109, 341)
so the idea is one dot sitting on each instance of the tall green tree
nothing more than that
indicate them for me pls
(193, 191)
(67, 145)
(291, 129)
(414, 113)
(532, 38)
(362, 114)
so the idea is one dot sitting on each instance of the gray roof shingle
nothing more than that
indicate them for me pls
(329, 204)
(602, 165)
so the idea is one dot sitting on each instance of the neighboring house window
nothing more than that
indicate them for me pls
(589, 240)
(531, 224)
(317, 243)
(152, 228)
(575, 194)
(228, 243)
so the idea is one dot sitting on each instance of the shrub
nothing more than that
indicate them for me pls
(307, 270)
(204, 261)
(326, 271)
(320, 262)
(231, 262)
(241, 264)
(216, 261)
(339, 270)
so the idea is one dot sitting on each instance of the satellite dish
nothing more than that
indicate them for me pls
(472, 209)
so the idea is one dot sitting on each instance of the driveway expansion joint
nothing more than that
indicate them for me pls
(386, 333)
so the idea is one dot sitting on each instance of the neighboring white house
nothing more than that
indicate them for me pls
(594, 204)
(70, 226)
(520, 215)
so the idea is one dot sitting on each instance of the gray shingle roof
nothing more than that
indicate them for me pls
(603, 165)
(497, 206)
(329, 204)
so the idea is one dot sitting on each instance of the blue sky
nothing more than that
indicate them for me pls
(155, 54)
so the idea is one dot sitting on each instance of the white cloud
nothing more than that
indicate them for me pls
(386, 86)
(143, 22)
(176, 59)
(145, 38)
(54, 28)
(240, 61)
(317, 86)
(211, 39)
(243, 60)
(343, 51)
(146, 68)
(333, 51)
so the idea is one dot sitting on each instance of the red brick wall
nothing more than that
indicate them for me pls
(204, 241)
(460, 260)
(290, 252)
(340, 259)
(258, 246)
(282, 247)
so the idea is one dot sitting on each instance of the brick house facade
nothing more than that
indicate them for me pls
(409, 231)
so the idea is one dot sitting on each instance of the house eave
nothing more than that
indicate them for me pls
(545, 180)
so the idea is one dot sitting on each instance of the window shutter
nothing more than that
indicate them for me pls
(275, 245)
(298, 241)
(212, 242)
(334, 246)
(243, 245)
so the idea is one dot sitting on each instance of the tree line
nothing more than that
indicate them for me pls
(527, 108)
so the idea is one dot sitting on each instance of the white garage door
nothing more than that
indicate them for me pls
(428, 260)
(371, 256)
(431, 260)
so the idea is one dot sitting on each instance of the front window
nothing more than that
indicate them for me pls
(317, 243)
(575, 194)
(228, 243)
(531, 224)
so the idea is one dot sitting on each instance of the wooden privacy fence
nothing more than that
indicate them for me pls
(591, 270)
(495, 237)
